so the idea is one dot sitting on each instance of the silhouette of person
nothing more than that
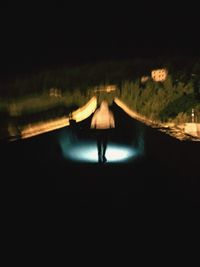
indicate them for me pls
(73, 127)
(102, 121)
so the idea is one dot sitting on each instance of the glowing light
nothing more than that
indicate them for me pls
(108, 88)
(85, 111)
(133, 113)
(87, 152)
(43, 127)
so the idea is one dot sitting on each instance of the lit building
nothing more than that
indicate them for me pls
(159, 75)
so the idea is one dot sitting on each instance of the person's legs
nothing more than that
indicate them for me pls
(102, 140)
(99, 147)
(104, 143)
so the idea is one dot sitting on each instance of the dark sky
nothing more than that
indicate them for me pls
(44, 35)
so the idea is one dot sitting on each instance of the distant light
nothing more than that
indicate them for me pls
(87, 152)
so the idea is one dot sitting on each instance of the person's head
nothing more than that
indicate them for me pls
(104, 105)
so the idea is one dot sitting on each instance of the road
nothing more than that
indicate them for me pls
(160, 170)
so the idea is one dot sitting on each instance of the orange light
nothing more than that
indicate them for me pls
(43, 127)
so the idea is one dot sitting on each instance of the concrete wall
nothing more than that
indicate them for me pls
(192, 129)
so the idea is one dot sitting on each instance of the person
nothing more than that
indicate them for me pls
(102, 121)
(73, 127)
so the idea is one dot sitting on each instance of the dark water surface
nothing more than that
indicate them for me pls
(144, 166)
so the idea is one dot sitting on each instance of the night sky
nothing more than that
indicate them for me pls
(34, 35)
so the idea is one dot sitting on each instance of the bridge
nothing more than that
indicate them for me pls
(82, 113)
